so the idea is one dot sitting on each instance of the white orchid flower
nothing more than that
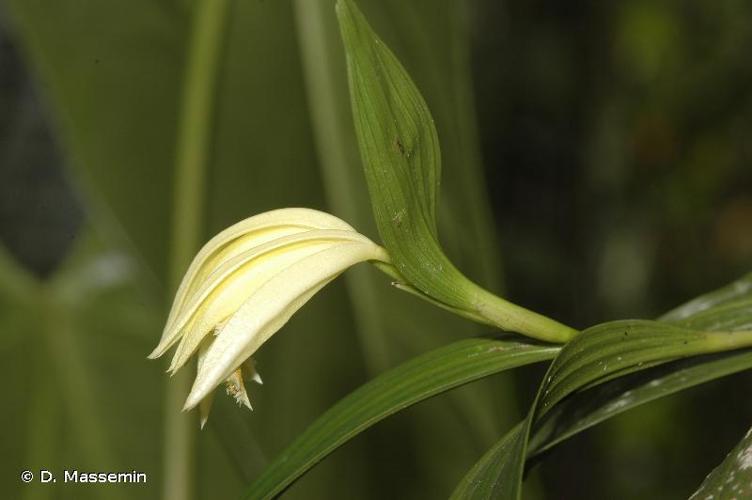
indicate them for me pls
(245, 284)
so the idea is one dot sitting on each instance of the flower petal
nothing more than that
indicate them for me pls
(271, 306)
(205, 404)
(236, 239)
(233, 282)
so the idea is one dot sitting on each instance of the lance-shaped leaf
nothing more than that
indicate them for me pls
(495, 463)
(400, 153)
(399, 148)
(420, 378)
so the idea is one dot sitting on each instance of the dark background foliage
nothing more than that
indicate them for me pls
(614, 139)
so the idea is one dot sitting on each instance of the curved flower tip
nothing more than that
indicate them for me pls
(245, 284)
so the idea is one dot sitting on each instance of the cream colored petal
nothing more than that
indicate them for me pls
(269, 329)
(271, 306)
(235, 240)
(237, 279)
(205, 404)
(252, 257)
(255, 230)
(194, 278)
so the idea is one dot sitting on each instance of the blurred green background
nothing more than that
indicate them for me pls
(596, 165)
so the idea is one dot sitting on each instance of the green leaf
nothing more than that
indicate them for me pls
(618, 348)
(710, 303)
(400, 153)
(432, 38)
(494, 464)
(591, 407)
(602, 373)
(419, 379)
(733, 477)
(729, 308)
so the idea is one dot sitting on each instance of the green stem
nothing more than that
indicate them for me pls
(727, 341)
(492, 310)
(514, 318)
(192, 152)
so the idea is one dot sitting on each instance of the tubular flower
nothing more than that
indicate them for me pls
(245, 284)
